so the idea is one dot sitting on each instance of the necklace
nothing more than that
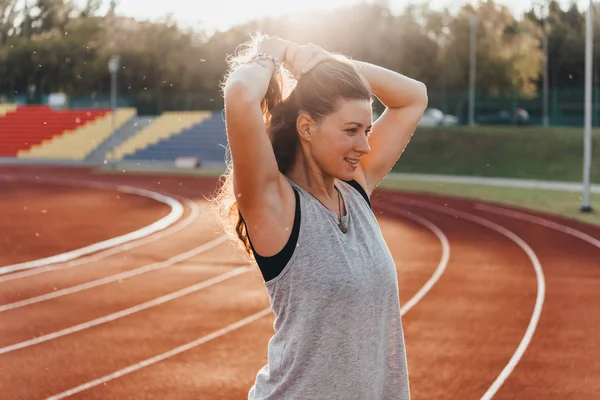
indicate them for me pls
(341, 223)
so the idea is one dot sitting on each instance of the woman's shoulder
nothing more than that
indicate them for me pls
(358, 188)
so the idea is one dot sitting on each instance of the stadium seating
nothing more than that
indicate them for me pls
(85, 135)
(159, 132)
(6, 108)
(122, 134)
(77, 144)
(206, 140)
(28, 127)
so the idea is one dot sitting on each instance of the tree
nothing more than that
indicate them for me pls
(508, 53)
(8, 15)
(50, 14)
(59, 46)
(90, 9)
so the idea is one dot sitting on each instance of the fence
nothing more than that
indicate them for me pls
(565, 105)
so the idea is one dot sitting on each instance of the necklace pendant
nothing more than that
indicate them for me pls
(343, 227)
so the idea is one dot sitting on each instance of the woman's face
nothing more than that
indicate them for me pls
(340, 139)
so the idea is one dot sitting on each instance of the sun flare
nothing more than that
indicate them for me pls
(223, 14)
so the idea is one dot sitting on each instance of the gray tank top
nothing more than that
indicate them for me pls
(338, 330)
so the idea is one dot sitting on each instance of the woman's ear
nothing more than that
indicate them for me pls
(305, 125)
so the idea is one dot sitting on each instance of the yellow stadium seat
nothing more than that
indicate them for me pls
(163, 127)
(77, 144)
(6, 108)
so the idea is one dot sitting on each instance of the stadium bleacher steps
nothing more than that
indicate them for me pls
(78, 143)
(205, 141)
(121, 135)
(163, 127)
(7, 108)
(32, 125)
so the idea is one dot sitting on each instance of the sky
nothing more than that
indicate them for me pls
(222, 14)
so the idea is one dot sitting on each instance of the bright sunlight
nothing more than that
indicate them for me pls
(223, 14)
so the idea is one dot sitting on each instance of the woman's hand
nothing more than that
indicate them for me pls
(301, 59)
(275, 46)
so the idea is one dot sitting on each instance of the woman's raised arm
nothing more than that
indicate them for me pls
(255, 171)
(405, 100)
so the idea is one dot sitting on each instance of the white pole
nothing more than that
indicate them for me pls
(113, 101)
(587, 140)
(113, 67)
(472, 70)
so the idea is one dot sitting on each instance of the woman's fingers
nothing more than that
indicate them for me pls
(301, 59)
(273, 45)
(301, 67)
(296, 55)
(298, 59)
(290, 56)
(308, 56)
(314, 61)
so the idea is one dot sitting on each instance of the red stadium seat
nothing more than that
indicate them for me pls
(31, 125)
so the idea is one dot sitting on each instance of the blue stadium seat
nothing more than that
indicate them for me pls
(206, 141)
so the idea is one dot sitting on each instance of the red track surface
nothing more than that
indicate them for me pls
(460, 335)
(43, 220)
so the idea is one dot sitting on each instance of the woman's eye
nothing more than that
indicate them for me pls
(355, 130)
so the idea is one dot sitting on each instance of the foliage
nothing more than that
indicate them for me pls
(59, 46)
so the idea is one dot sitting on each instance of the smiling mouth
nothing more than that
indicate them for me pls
(352, 161)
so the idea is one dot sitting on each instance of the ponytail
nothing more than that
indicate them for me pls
(275, 112)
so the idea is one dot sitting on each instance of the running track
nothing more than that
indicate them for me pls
(497, 302)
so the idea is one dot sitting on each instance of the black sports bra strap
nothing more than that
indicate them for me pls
(271, 267)
(360, 190)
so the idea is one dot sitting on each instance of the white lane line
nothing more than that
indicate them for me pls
(539, 273)
(145, 363)
(191, 289)
(128, 311)
(163, 356)
(114, 250)
(442, 264)
(172, 217)
(539, 221)
(116, 277)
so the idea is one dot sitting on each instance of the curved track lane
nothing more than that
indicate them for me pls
(183, 331)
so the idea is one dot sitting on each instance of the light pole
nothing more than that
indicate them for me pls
(113, 67)
(472, 70)
(587, 131)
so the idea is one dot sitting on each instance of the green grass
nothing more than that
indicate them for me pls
(554, 154)
(554, 202)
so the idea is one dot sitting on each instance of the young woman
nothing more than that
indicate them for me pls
(305, 158)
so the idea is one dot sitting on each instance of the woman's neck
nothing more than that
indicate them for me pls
(309, 177)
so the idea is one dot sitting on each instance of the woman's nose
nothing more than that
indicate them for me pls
(363, 145)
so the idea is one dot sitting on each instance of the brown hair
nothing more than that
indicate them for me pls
(317, 93)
